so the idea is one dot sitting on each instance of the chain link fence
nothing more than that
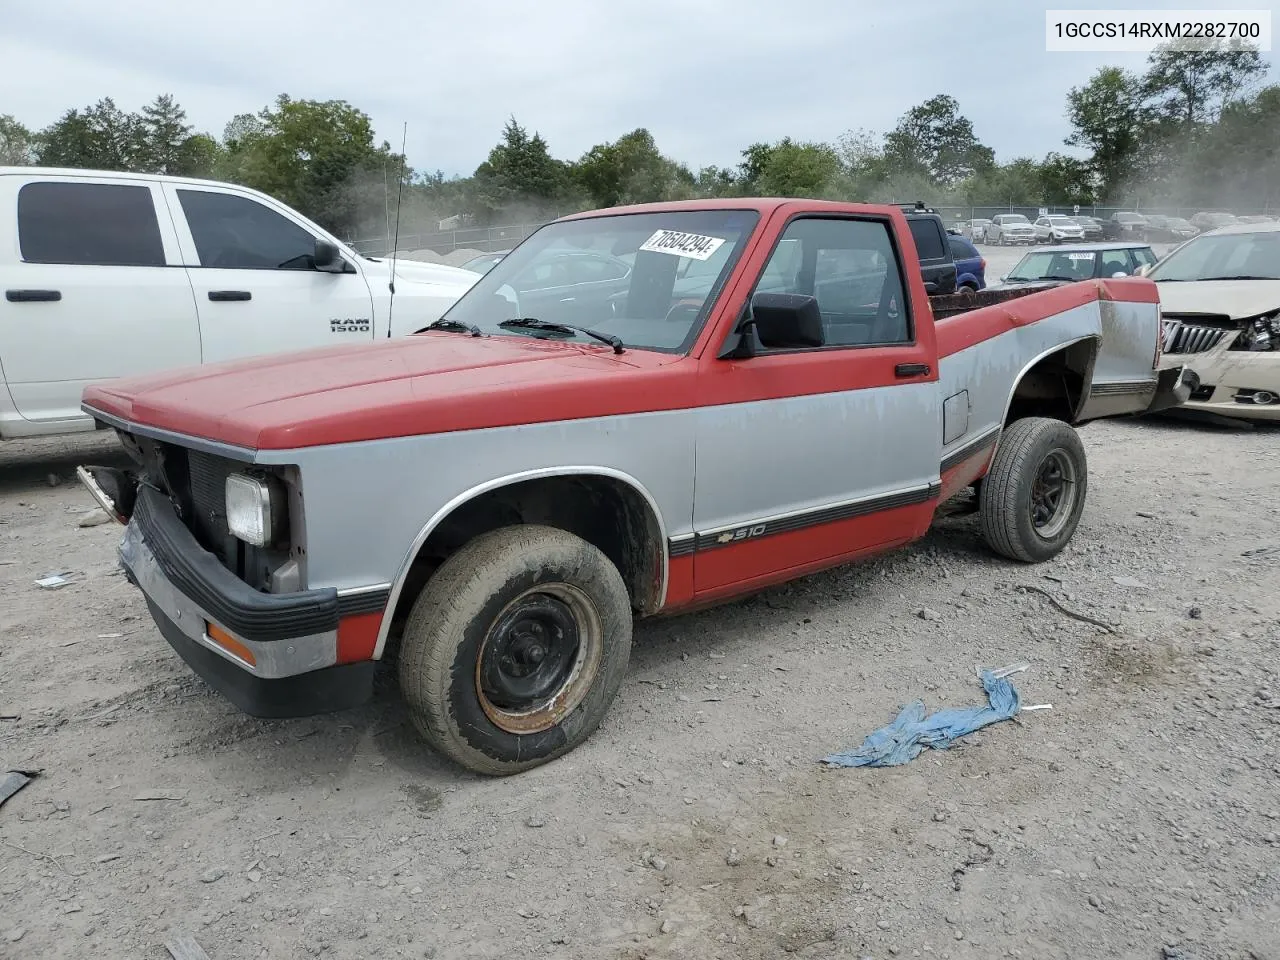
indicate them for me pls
(484, 239)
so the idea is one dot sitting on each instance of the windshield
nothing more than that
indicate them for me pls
(1062, 222)
(646, 278)
(1052, 265)
(1223, 256)
(1014, 218)
(1129, 218)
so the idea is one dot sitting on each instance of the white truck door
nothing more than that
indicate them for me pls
(93, 290)
(257, 288)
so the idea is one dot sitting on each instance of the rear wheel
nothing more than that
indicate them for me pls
(516, 648)
(1033, 496)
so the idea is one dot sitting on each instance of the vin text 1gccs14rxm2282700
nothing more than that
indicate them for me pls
(526, 465)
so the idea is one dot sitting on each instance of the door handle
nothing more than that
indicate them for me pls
(33, 296)
(911, 370)
(221, 296)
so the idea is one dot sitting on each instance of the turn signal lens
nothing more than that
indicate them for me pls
(229, 643)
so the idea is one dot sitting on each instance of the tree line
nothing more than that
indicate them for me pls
(1193, 129)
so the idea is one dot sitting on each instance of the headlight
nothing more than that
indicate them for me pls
(253, 509)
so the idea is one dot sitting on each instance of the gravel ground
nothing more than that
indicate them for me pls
(1137, 818)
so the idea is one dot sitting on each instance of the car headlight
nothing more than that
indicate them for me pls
(254, 508)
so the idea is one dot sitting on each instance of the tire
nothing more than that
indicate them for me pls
(521, 590)
(1012, 500)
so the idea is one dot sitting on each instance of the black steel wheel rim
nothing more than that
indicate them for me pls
(531, 653)
(539, 658)
(1053, 494)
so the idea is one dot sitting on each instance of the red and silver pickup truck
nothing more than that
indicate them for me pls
(735, 393)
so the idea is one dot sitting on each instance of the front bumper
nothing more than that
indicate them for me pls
(1174, 385)
(1223, 374)
(288, 643)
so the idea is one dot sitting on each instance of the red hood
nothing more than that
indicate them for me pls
(430, 383)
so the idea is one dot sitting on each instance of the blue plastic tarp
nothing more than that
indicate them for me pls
(911, 732)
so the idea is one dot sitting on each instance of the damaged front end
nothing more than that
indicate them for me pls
(1236, 360)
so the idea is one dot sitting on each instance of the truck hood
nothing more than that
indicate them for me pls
(406, 386)
(420, 272)
(1238, 299)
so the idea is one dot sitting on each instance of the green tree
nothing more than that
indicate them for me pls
(789, 168)
(17, 143)
(937, 139)
(1192, 87)
(164, 132)
(198, 156)
(1064, 180)
(1015, 182)
(99, 137)
(1109, 117)
(519, 172)
(310, 154)
(631, 170)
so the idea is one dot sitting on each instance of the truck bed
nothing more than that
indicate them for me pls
(953, 304)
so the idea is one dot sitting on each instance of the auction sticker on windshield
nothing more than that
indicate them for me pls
(1079, 256)
(680, 244)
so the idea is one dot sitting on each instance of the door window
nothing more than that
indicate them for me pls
(1116, 261)
(850, 268)
(1144, 256)
(101, 224)
(239, 233)
(928, 239)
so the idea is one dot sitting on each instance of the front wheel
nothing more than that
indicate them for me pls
(1033, 496)
(516, 648)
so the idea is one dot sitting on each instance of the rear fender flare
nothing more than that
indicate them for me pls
(1044, 355)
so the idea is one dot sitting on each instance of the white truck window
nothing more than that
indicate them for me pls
(98, 224)
(238, 233)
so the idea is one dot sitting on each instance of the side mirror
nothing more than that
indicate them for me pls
(780, 320)
(787, 320)
(327, 258)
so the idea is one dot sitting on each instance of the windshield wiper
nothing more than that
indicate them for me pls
(445, 323)
(533, 323)
(1243, 276)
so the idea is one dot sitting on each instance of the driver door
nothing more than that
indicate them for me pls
(255, 287)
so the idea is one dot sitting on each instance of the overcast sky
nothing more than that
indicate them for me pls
(707, 77)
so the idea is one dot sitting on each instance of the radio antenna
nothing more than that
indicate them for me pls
(395, 246)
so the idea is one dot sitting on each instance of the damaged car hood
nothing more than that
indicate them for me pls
(428, 383)
(1237, 299)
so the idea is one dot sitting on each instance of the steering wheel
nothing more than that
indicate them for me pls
(686, 310)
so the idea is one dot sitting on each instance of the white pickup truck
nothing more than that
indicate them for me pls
(108, 275)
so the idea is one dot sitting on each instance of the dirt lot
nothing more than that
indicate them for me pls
(1139, 813)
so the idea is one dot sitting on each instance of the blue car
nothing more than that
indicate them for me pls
(971, 267)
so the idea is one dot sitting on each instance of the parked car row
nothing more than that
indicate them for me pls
(1009, 228)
